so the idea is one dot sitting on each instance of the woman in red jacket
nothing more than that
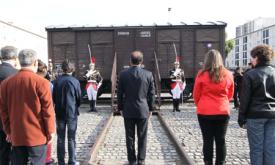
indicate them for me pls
(214, 87)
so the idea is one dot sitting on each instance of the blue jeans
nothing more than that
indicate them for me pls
(261, 138)
(61, 131)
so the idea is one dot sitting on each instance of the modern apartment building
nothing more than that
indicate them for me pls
(253, 33)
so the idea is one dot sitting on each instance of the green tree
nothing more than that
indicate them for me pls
(229, 44)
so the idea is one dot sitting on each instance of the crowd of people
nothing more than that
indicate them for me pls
(33, 108)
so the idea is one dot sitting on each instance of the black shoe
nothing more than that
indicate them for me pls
(174, 105)
(91, 106)
(132, 163)
(220, 163)
(208, 163)
(141, 162)
(177, 105)
(94, 105)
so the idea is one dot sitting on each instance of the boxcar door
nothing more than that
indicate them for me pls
(63, 48)
(124, 45)
(145, 41)
(188, 51)
(166, 52)
(83, 39)
(102, 50)
(205, 39)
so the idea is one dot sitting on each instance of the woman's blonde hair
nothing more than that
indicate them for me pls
(213, 63)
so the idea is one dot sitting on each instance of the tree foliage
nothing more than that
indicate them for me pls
(229, 44)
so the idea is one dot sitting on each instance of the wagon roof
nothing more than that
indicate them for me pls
(198, 25)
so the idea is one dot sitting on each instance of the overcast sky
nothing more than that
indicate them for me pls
(35, 15)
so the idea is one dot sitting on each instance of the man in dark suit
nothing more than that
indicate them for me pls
(66, 96)
(7, 68)
(136, 94)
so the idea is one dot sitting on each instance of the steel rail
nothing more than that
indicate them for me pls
(184, 158)
(91, 158)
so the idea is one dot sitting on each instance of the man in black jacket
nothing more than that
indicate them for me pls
(136, 94)
(66, 97)
(238, 76)
(7, 68)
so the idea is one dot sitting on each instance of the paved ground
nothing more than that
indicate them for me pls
(160, 151)
(89, 126)
(159, 148)
(184, 124)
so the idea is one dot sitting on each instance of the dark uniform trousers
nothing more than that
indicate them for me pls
(130, 127)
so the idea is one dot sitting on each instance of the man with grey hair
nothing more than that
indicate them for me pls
(7, 68)
(27, 112)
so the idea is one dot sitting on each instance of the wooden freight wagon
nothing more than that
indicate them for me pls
(111, 46)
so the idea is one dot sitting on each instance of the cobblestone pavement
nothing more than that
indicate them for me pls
(185, 126)
(159, 148)
(89, 126)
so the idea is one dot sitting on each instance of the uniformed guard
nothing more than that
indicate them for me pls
(177, 84)
(50, 73)
(94, 81)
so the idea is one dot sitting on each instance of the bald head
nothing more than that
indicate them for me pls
(136, 57)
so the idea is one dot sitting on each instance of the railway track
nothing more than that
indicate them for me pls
(163, 147)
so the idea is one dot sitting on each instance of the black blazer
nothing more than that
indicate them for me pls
(136, 92)
(66, 97)
(6, 70)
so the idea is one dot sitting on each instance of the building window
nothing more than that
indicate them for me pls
(245, 39)
(244, 62)
(245, 47)
(245, 58)
(237, 56)
(266, 33)
(266, 41)
(237, 42)
(236, 62)
(244, 54)
(266, 36)
(245, 29)
(237, 49)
